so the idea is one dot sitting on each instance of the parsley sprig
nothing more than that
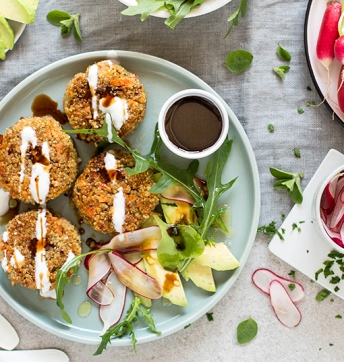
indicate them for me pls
(66, 22)
(290, 182)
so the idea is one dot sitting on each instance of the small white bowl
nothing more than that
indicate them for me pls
(316, 209)
(207, 97)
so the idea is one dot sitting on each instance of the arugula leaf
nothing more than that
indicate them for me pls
(247, 330)
(238, 61)
(290, 182)
(62, 279)
(178, 9)
(126, 326)
(283, 53)
(234, 17)
(66, 22)
(281, 70)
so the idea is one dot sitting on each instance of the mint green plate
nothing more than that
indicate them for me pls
(161, 79)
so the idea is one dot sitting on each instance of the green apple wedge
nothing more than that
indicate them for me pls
(18, 10)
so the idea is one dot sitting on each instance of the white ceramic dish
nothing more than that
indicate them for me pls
(305, 250)
(161, 79)
(205, 8)
(313, 19)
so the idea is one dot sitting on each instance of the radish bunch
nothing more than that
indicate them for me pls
(330, 44)
(284, 293)
(332, 209)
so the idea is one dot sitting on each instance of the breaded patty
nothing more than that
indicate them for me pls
(38, 161)
(105, 88)
(34, 246)
(111, 201)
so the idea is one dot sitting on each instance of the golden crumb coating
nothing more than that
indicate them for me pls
(96, 187)
(32, 142)
(112, 82)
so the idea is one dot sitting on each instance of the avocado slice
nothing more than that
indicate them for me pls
(217, 257)
(177, 212)
(18, 10)
(172, 285)
(6, 33)
(201, 275)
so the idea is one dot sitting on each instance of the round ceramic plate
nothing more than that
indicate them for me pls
(207, 7)
(161, 79)
(314, 15)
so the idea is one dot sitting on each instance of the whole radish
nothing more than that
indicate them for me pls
(328, 33)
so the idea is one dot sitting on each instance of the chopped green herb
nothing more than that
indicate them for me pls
(300, 110)
(187, 326)
(247, 330)
(210, 316)
(295, 226)
(271, 128)
(338, 316)
(270, 230)
(302, 222)
(309, 88)
(66, 22)
(336, 289)
(238, 61)
(291, 286)
(283, 216)
(310, 104)
(281, 70)
(283, 230)
(317, 273)
(283, 53)
(335, 254)
(297, 153)
(323, 294)
(290, 182)
(234, 17)
(335, 280)
(307, 251)
(292, 274)
(331, 344)
(331, 300)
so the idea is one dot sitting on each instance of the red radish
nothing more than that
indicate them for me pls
(286, 311)
(328, 33)
(111, 314)
(336, 237)
(337, 217)
(262, 278)
(134, 278)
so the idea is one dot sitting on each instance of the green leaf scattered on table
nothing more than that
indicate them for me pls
(234, 17)
(297, 153)
(271, 128)
(238, 60)
(323, 294)
(290, 182)
(247, 330)
(281, 70)
(178, 9)
(270, 230)
(300, 110)
(66, 22)
(283, 53)
(210, 317)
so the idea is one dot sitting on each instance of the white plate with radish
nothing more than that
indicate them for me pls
(320, 38)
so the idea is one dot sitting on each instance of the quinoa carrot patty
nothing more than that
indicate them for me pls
(105, 88)
(110, 200)
(34, 245)
(38, 161)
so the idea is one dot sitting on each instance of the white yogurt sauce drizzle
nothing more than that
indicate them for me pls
(17, 259)
(118, 215)
(115, 106)
(4, 263)
(41, 271)
(40, 173)
(4, 202)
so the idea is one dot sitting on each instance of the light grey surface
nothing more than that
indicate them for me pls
(258, 97)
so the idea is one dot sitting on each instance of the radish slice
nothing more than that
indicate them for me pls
(178, 193)
(330, 192)
(138, 240)
(99, 266)
(89, 256)
(286, 311)
(338, 212)
(100, 294)
(134, 278)
(336, 237)
(262, 278)
(133, 258)
(112, 313)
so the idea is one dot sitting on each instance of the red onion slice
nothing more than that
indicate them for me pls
(112, 313)
(262, 278)
(138, 240)
(134, 278)
(286, 311)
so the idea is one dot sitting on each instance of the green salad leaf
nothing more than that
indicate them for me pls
(178, 9)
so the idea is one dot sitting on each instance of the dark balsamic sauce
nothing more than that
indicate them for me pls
(43, 105)
(193, 124)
